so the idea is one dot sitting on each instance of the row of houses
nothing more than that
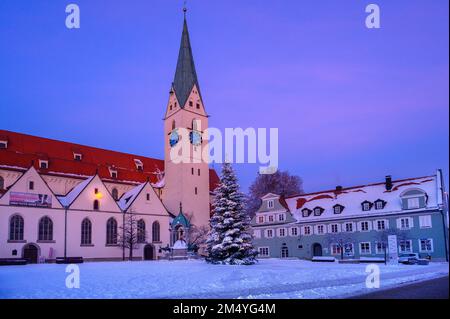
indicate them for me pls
(356, 221)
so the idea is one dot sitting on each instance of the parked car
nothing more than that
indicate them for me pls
(409, 258)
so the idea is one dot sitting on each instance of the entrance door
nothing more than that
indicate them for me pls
(148, 252)
(317, 249)
(284, 252)
(31, 253)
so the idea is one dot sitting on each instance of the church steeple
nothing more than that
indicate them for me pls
(185, 74)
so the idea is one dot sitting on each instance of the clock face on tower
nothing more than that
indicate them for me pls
(174, 138)
(195, 138)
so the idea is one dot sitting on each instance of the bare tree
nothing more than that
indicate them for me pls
(341, 240)
(280, 183)
(128, 236)
(196, 235)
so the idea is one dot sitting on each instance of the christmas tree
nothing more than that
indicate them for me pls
(229, 240)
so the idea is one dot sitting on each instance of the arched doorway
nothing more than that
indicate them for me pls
(149, 252)
(31, 253)
(317, 249)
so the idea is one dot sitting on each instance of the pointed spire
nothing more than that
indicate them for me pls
(185, 74)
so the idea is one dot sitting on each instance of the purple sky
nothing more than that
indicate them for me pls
(351, 104)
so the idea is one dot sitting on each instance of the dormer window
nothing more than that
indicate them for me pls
(318, 211)
(113, 173)
(43, 164)
(77, 157)
(414, 199)
(3, 144)
(337, 209)
(366, 205)
(306, 212)
(270, 204)
(139, 165)
(379, 204)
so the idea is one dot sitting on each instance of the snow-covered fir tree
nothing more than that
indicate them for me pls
(230, 239)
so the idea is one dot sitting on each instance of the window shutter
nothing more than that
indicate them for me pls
(411, 222)
(399, 224)
(386, 223)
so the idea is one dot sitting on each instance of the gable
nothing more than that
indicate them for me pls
(20, 194)
(85, 199)
(140, 204)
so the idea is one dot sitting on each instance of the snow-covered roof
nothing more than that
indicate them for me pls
(352, 198)
(128, 198)
(68, 199)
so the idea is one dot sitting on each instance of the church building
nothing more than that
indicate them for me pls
(63, 199)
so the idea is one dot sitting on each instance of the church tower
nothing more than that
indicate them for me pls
(186, 183)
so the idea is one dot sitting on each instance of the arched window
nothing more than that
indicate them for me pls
(173, 125)
(96, 204)
(155, 232)
(16, 228)
(2, 183)
(111, 232)
(141, 231)
(45, 229)
(115, 193)
(86, 232)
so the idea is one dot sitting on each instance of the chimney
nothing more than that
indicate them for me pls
(388, 183)
(338, 189)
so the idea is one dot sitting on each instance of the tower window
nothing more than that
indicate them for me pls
(170, 107)
(96, 191)
(173, 124)
(192, 171)
(148, 196)
(191, 104)
(196, 191)
(198, 106)
(198, 172)
(175, 104)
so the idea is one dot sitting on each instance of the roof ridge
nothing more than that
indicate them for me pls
(358, 186)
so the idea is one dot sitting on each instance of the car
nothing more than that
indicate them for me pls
(408, 258)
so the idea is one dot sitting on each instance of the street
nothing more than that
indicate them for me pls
(430, 289)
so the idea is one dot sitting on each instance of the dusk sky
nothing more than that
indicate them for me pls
(352, 104)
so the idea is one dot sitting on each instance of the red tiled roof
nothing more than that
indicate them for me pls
(24, 149)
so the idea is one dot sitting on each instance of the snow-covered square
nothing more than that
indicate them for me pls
(269, 278)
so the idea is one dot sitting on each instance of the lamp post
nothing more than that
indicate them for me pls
(65, 232)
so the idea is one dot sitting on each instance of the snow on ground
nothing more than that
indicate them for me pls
(270, 278)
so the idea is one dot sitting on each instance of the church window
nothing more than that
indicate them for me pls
(155, 232)
(191, 104)
(115, 193)
(141, 231)
(196, 191)
(16, 226)
(198, 172)
(148, 196)
(86, 232)
(45, 229)
(198, 106)
(96, 205)
(111, 232)
(192, 171)
(31, 185)
(173, 124)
